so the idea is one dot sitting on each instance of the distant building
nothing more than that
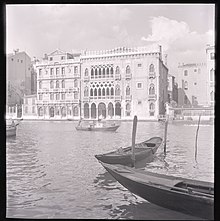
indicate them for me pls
(123, 82)
(18, 75)
(210, 59)
(172, 90)
(58, 85)
(29, 108)
(192, 82)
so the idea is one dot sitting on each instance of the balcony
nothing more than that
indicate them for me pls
(152, 97)
(128, 76)
(86, 99)
(152, 74)
(118, 98)
(117, 76)
(128, 97)
(86, 78)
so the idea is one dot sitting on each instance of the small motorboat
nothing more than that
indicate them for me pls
(188, 196)
(123, 156)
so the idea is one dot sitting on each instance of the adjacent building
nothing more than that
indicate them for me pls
(192, 81)
(58, 85)
(210, 60)
(18, 73)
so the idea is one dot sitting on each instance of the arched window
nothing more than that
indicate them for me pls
(92, 73)
(86, 92)
(107, 72)
(99, 92)
(51, 84)
(112, 91)
(117, 90)
(111, 72)
(57, 84)
(93, 111)
(117, 70)
(63, 84)
(91, 92)
(86, 72)
(40, 84)
(96, 73)
(185, 72)
(40, 111)
(107, 91)
(151, 69)
(152, 89)
(95, 92)
(128, 70)
(128, 107)
(100, 73)
(212, 74)
(103, 91)
(103, 72)
(86, 110)
(128, 90)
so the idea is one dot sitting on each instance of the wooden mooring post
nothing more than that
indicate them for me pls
(133, 140)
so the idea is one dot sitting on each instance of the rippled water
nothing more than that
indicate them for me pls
(52, 171)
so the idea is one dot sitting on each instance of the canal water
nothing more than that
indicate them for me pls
(52, 171)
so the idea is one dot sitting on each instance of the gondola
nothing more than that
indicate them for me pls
(97, 126)
(188, 196)
(123, 156)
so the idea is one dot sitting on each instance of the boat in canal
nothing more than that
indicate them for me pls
(123, 156)
(188, 196)
(99, 125)
(10, 128)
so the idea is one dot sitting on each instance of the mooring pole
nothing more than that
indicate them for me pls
(197, 138)
(165, 133)
(133, 140)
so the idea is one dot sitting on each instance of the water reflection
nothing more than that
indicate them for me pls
(52, 171)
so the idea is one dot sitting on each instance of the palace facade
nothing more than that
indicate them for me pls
(58, 77)
(113, 84)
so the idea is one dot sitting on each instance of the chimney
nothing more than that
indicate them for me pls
(165, 59)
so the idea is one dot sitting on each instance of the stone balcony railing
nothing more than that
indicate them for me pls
(152, 74)
(117, 76)
(128, 97)
(128, 76)
(152, 97)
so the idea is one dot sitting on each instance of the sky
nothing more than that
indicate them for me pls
(183, 30)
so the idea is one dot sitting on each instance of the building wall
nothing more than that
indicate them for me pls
(210, 59)
(29, 108)
(139, 80)
(18, 69)
(192, 80)
(58, 85)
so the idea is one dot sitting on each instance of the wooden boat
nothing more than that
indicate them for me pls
(10, 130)
(123, 156)
(97, 126)
(188, 196)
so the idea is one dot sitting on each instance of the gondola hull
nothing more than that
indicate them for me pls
(11, 131)
(107, 128)
(148, 186)
(143, 151)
